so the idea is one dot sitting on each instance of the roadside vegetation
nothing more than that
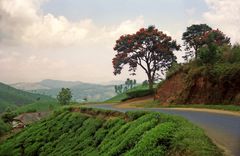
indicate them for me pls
(210, 75)
(156, 104)
(4, 127)
(85, 131)
(137, 91)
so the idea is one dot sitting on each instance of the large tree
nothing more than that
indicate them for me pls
(148, 48)
(212, 40)
(191, 38)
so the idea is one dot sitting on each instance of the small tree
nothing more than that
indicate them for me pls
(64, 96)
(150, 49)
(85, 99)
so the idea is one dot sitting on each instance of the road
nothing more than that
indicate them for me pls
(223, 129)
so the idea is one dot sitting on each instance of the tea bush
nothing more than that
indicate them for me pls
(97, 132)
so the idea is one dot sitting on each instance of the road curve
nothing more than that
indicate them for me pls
(223, 129)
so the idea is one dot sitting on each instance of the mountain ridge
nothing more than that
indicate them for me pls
(80, 90)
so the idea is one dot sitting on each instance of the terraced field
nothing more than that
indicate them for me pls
(86, 131)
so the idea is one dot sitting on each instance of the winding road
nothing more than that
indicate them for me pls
(223, 129)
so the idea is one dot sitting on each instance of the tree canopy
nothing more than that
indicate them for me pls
(148, 48)
(196, 36)
(64, 96)
(191, 38)
(212, 40)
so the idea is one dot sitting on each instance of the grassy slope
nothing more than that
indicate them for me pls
(95, 132)
(11, 97)
(38, 107)
(122, 96)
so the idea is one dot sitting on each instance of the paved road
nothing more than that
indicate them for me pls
(223, 129)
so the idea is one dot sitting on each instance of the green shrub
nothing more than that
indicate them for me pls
(209, 54)
(8, 116)
(139, 93)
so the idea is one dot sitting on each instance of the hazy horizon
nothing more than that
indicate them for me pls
(73, 40)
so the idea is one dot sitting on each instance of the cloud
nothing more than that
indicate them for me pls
(224, 14)
(36, 45)
(22, 22)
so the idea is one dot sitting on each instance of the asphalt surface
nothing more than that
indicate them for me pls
(223, 129)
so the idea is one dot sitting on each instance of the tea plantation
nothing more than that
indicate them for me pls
(93, 132)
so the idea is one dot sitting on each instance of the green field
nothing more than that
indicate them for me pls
(85, 131)
(13, 98)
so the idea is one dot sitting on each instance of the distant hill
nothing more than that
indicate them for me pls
(118, 82)
(59, 84)
(45, 84)
(11, 97)
(80, 90)
(29, 86)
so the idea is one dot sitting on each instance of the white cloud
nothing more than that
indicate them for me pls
(35, 45)
(225, 15)
(23, 22)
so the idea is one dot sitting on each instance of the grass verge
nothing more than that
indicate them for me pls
(155, 104)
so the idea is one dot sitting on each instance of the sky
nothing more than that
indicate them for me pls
(73, 39)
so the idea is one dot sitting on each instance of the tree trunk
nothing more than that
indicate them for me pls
(150, 83)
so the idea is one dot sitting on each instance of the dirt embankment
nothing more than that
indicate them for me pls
(180, 89)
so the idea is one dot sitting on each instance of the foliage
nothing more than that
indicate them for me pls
(198, 36)
(230, 54)
(8, 116)
(3, 127)
(209, 54)
(191, 38)
(64, 96)
(140, 93)
(124, 96)
(119, 89)
(145, 133)
(129, 84)
(145, 83)
(214, 36)
(149, 48)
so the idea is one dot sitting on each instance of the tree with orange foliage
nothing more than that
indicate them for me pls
(148, 48)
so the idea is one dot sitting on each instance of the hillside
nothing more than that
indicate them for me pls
(80, 90)
(11, 97)
(192, 84)
(85, 131)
